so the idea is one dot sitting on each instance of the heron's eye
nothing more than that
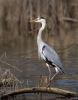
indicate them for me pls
(42, 18)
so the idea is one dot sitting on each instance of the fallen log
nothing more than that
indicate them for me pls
(41, 90)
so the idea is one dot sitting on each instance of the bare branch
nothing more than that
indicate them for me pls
(41, 90)
(69, 19)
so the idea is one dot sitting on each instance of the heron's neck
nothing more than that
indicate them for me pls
(39, 38)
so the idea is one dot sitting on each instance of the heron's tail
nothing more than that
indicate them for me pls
(63, 71)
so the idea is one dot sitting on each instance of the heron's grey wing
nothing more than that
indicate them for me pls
(52, 56)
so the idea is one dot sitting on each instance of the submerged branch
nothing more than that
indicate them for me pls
(10, 65)
(4, 54)
(41, 90)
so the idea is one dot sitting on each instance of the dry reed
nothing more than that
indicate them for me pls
(15, 16)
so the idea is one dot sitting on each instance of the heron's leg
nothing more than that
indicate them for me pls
(51, 79)
(49, 71)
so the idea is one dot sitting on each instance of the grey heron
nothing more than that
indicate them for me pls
(46, 53)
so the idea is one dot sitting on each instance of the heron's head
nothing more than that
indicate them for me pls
(39, 20)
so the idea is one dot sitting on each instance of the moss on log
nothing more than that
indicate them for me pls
(41, 90)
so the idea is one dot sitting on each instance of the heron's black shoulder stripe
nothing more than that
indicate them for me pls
(43, 48)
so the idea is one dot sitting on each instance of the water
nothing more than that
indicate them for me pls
(24, 56)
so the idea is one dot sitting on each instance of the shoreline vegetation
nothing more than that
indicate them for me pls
(61, 17)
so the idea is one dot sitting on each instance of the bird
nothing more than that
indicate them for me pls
(47, 53)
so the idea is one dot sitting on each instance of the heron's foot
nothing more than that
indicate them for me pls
(47, 86)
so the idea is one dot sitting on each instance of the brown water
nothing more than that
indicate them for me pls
(23, 55)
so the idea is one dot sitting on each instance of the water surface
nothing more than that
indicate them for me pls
(24, 56)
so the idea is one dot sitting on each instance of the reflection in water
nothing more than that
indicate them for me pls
(23, 54)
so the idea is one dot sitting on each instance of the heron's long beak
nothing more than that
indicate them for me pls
(32, 20)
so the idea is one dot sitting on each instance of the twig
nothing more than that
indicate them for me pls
(10, 65)
(17, 79)
(69, 19)
(4, 54)
(5, 72)
(34, 30)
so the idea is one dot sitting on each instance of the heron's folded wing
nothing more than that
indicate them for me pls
(52, 56)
